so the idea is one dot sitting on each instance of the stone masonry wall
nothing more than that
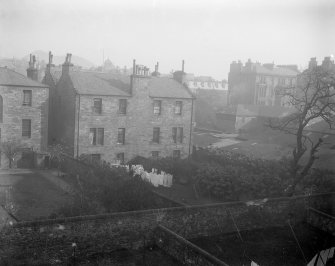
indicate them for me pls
(138, 122)
(321, 220)
(64, 122)
(14, 111)
(183, 250)
(52, 108)
(134, 229)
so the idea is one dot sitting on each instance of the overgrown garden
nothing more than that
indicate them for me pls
(217, 174)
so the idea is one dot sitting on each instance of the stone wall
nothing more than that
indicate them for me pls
(321, 220)
(183, 250)
(134, 229)
(14, 111)
(52, 108)
(64, 120)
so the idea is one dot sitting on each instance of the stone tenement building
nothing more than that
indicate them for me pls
(259, 84)
(115, 117)
(23, 112)
(327, 66)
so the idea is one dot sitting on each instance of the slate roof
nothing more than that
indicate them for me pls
(12, 78)
(95, 83)
(276, 71)
(164, 87)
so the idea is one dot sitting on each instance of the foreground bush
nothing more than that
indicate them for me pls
(229, 176)
(100, 188)
(218, 174)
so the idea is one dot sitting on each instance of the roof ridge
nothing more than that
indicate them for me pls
(34, 83)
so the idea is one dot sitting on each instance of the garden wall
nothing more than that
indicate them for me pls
(183, 250)
(321, 220)
(105, 233)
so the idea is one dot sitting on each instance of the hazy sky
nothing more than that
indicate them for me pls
(207, 34)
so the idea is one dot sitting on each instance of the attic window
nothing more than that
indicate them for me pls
(97, 106)
(122, 106)
(157, 107)
(178, 107)
(27, 95)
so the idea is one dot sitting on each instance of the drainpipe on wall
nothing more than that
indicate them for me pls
(191, 125)
(78, 127)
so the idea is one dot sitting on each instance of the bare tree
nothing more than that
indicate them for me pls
(312, 99)
(11, 148)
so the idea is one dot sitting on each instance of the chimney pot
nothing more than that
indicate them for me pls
(67, 64)
(312, 63)
(134, 67)
(32, 72)
(182, 66)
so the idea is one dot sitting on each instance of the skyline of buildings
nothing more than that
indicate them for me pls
(116, 116)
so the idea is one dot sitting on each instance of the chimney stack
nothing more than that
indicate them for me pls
(50, 64)
(156, 73)
(180, 75)
(134, 67)
(327, 62)
(248, 65)
(32, 71)
(67, 65)
(312, 63)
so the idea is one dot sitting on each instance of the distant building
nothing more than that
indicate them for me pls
(258, 84)
(24, 113)
(327, 65)
(204, 83)
(115, 117)
(211, 97)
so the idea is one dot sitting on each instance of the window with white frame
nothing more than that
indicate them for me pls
(178, 107)
(157, 107)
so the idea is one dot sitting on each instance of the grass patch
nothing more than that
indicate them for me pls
(34, 197)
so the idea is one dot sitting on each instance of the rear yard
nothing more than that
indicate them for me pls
(28, 195)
